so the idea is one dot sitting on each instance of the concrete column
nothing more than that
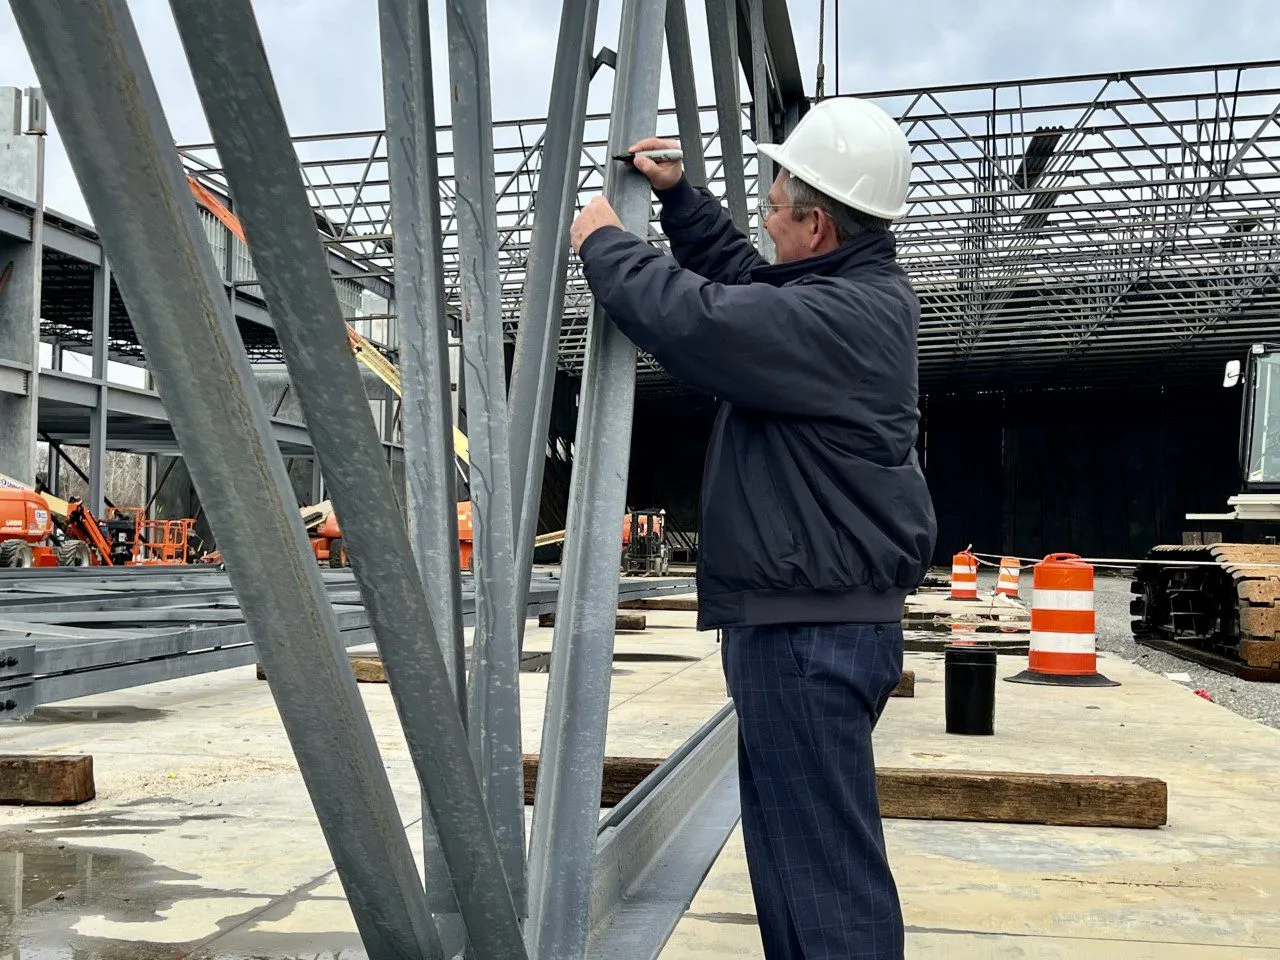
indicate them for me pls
(21, 174)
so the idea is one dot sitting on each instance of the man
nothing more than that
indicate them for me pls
(815, 518)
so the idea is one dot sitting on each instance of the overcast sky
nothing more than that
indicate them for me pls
(325, 52)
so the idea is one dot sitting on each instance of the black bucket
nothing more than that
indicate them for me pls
(970, 686)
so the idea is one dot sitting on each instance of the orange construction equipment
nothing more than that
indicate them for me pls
(40, 530)
(964, 576)
(326, 536)
(1007, 581)
(1063, 637)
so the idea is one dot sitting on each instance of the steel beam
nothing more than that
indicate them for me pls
(685, 89)
(762, 126)
(569, 775)
(92, 66)
(538, 342)
(656, 846)
(426, 401)
(494, 679)
(236, 87)
(722, 31)
(98, 418)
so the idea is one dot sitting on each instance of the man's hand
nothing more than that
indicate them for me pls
(663, 176)
(596, 214)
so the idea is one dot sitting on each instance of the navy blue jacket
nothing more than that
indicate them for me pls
(814, 508)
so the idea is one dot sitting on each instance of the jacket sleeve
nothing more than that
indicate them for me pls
(757, 346)
(703, 237)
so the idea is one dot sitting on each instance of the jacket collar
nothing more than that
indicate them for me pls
(866, 249)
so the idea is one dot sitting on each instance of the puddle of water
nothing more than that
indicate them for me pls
(49, 890)
(944, 626)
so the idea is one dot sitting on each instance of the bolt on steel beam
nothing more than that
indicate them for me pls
(239, 97)
(426, 396)
(542, 306)
(568, 791)
(494, 680)
(91, 64)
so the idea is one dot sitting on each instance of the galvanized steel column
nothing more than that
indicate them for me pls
(570, 771)
(684, 87)
(247, 121)
(494, 681)
(541, 310)
(426, 398)
(91, 63)
(722, 31)
(762, 132)
(101, 342)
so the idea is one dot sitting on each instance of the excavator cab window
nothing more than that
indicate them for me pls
(1260, 440)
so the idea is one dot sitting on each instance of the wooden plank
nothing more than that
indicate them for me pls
(983, 796)
(1053, 799)
(41, 780)
(621, 776)
(685, 604)
(367, 668)
(906, 686)
(626, 622)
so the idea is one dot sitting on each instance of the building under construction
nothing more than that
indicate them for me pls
(387, 566)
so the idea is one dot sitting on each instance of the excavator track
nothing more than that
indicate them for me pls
(1222, 614)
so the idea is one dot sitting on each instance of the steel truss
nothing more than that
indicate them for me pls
(614, 889)
(1074, 230)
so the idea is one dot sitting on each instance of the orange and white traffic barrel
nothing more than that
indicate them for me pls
(1063, 629)
(1007, 581)
(964, 576)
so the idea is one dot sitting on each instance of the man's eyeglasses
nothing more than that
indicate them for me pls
(768, 208)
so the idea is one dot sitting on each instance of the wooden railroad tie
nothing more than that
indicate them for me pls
(40, 780)
(906, 686)
(683, 604)
(625, 622)
(983, 796)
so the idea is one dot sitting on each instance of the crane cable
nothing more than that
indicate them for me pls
(819, 90)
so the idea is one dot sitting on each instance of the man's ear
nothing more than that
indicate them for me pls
(817, 228)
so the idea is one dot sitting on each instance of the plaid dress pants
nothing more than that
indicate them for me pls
(807, 699)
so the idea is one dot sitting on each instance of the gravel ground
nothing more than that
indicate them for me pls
(1254, 701)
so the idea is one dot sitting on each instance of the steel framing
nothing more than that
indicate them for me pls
(1075, 230)
(166, 268)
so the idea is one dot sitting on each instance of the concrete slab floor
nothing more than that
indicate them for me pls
(1206, 885)
(202, 842)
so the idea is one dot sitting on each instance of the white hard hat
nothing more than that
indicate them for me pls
(851, 150)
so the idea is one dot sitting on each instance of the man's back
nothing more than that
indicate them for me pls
(814, 508)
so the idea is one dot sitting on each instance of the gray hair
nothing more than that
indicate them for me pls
(804, 199)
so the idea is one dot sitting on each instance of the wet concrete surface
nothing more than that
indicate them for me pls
(202, 843)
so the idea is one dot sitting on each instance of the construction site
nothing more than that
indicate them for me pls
(350, 552)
